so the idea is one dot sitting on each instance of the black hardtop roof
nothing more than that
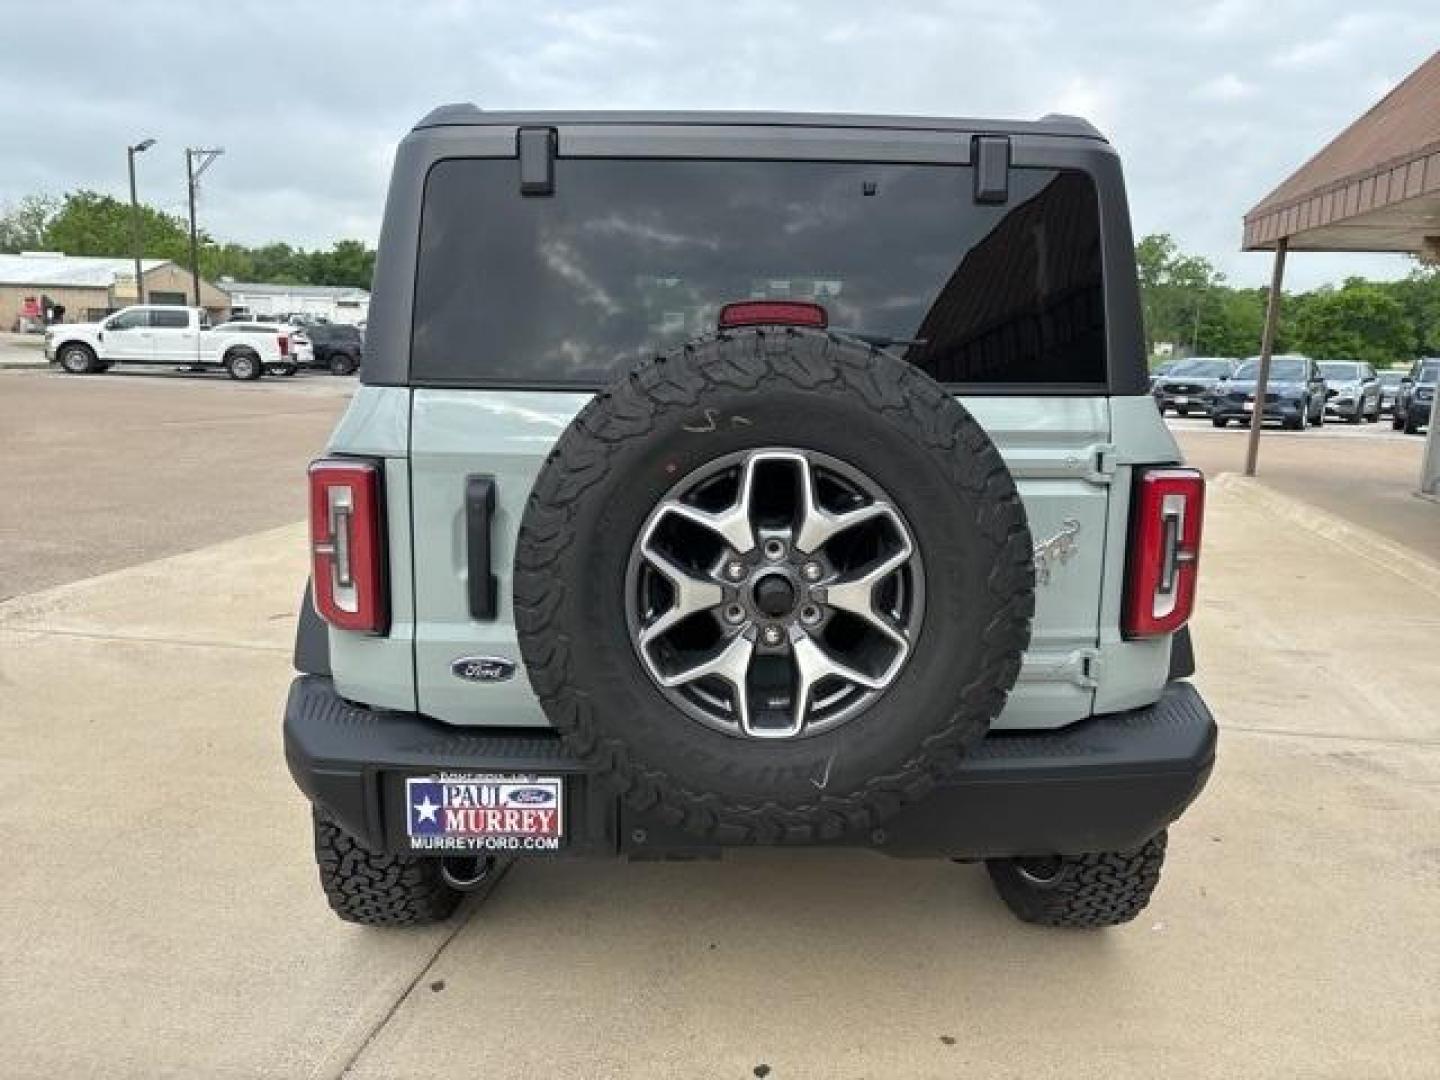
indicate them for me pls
(468, 115)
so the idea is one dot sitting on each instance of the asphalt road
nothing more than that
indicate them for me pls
(106, 471)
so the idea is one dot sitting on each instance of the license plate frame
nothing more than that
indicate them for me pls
(466, 811)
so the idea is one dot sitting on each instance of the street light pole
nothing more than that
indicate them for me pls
(136, 233)
(192, 181)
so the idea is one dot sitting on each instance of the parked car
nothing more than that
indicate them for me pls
(1159, 371)
(1295, 394)
(1416, 398)
(338, 347)
(165, 334)
(1352, 390)
(301, 353)
(690, 568)
(1389, 387)
(1187, 386)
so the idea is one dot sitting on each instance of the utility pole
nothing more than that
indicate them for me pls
(192, 182)
(136, 233)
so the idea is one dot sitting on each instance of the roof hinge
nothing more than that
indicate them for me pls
(536, 148)
(990, 159)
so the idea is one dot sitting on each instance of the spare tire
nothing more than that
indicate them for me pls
(771, 585)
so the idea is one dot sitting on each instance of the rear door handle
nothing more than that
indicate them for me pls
(479, 513)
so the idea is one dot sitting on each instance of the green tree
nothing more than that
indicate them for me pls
(1358, 321)
(89, 223)
(1177, 291)
(1419, 295)
(23, 226)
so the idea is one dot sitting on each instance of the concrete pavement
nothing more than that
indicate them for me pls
(161, 915)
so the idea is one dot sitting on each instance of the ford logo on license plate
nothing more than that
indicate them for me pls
(482, 668)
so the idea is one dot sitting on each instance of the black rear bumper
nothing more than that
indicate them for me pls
(1104, 784)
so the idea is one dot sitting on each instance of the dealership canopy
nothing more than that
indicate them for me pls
(1374, 187)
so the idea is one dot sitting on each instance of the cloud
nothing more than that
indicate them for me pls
(1226, 87)
(311, 118)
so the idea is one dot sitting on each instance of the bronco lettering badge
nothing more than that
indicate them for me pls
(482, 668)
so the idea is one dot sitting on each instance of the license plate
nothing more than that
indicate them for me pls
(1182, 401)
(484, 812)
(1249, 406)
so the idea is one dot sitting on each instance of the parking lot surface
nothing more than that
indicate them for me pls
(1367, 473)
(163, 917)
(106, 471)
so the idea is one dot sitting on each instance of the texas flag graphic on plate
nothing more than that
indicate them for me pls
(468, 812)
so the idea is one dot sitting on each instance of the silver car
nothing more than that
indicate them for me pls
(1352, 391)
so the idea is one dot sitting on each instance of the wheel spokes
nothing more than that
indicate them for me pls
(691, 595)
(730, 664)
(796, 639)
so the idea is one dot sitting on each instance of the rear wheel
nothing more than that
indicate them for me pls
(78, 360)
(1080, 891)
(342, 364)
(243, 365)
(1219, 421)
(376, 889)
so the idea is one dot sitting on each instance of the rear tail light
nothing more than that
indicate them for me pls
(1165, 519)
(347, 545)
(773, 313)
(284, 345)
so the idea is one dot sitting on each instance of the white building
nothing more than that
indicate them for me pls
(337, 303)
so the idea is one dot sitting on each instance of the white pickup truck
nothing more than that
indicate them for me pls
(165, 334)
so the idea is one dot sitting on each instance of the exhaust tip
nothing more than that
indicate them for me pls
(467, 874)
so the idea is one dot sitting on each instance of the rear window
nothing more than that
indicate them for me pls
(628, 258)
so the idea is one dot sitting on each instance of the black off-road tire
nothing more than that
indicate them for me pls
(730, 393)
(342, 363)
(1085, 892)
(376, 889)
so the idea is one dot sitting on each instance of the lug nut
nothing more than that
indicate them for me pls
(774, 549)
(809, 614)
(772, 635)
(734, 614)
(812, 571)
(734, 570)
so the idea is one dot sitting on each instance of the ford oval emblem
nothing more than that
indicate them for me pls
(482, 668)
(531, 796)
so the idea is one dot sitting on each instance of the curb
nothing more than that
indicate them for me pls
(1366, 543)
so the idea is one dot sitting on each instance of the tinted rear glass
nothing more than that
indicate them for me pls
(1340, 371)
(628, 258)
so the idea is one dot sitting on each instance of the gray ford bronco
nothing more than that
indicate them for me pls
(731, 479)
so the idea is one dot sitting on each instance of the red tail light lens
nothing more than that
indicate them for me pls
(1165, 519)
(773, 313)
(284, 345)
(347, 545)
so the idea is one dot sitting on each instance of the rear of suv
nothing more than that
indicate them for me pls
(732, 479)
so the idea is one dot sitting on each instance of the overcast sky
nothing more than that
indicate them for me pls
(1210, 103)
